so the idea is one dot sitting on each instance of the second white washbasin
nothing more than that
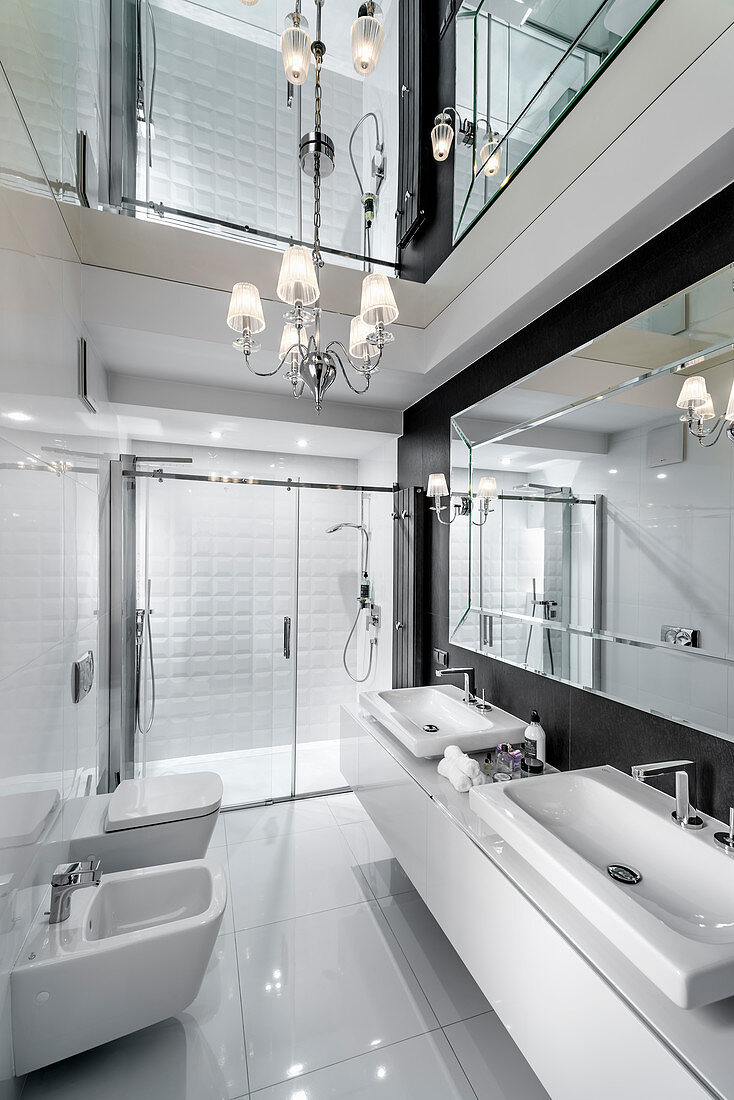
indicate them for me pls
(429, 719)
(582, 829)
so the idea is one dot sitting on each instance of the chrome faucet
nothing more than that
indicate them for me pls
(67, 878)
(468, 674)
(684, 813)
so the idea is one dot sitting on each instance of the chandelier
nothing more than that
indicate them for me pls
(309, 363)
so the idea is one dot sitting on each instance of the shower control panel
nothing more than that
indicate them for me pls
(82, 676)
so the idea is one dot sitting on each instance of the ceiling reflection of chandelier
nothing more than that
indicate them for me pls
(309, 363)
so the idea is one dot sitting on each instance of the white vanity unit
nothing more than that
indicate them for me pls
(589, 1021)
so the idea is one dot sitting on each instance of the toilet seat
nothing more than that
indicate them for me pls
(159, 799)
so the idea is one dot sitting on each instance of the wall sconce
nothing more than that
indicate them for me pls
(489, 155)
(437, 488)
(486, 492)
(698, 404)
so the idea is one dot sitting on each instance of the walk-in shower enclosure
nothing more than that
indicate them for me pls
(250, 599)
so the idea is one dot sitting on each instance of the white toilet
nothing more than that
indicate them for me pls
(148, 822)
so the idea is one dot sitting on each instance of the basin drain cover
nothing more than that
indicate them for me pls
(627, 875)
(430, 729)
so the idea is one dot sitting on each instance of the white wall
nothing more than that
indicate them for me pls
(49, 516)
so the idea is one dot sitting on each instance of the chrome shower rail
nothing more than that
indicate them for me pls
(236, 228)
(161, 475)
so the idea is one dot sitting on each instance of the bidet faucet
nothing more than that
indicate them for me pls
(468, 674)
(67, 878)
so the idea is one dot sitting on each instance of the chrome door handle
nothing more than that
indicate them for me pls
(286, 637)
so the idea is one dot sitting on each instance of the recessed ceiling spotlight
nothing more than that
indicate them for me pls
(506, 460)
(302, 442)
(661, 476)
(614, 471)
(19, 416)
(215, 435)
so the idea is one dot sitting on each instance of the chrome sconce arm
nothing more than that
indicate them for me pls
(698, 408)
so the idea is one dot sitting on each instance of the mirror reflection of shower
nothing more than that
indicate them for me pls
(144, 663)
(365, 602)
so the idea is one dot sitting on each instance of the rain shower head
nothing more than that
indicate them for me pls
(339, 526)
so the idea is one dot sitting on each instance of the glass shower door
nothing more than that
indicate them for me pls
(220, 563)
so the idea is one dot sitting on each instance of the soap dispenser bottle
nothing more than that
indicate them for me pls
(533, 758)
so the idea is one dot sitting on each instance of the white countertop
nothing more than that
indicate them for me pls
(700, 1037)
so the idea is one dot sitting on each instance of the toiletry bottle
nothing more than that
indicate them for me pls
(533, 759)
(487, 765)
(503, 760)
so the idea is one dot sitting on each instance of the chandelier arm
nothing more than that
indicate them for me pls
(270, 373)
(354, 389)
(365, 371)
(707, 437)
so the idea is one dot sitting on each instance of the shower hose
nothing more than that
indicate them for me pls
(345, 662)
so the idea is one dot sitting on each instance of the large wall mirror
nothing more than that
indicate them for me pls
(593, 507)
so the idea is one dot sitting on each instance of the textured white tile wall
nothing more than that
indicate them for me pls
(226, 143)
(223, 570)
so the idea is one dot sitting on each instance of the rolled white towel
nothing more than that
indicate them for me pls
(478, 780)
(463, 762)
(458, 780)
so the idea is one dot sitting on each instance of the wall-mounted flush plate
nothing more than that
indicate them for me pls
(82, 676)
(441, 658)
(681, 635)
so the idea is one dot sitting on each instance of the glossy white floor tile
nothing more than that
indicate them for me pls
(292, 875)
(424, 1068)
(451, 991)
(492, 1062)
(375, 860)
(322, 988)
(199, 1055)
(346, 808)
(262, 822)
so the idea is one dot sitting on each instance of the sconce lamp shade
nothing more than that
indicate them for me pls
(442, 136)
(490, 155)
(245, 309)
(487, 489)
(729, 414)
(295, 47)
(249, 3)
(287, 340)
(297, 280)
(368, 36)
(437, 486)
(378, 301)
(359, 346)
(693, 393)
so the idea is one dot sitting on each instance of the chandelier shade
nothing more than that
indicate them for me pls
(297, 282)
(295, 47)
(378, 301)
(290, 338)
(693, 393)
(245, 309)
(359, 346)
(368, 37)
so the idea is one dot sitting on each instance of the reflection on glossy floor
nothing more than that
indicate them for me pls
(330, 981)
(254, 775)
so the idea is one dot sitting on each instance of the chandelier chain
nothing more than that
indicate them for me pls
(318, 261)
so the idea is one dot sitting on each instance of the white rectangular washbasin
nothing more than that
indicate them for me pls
(408, 714)
(676, 924)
